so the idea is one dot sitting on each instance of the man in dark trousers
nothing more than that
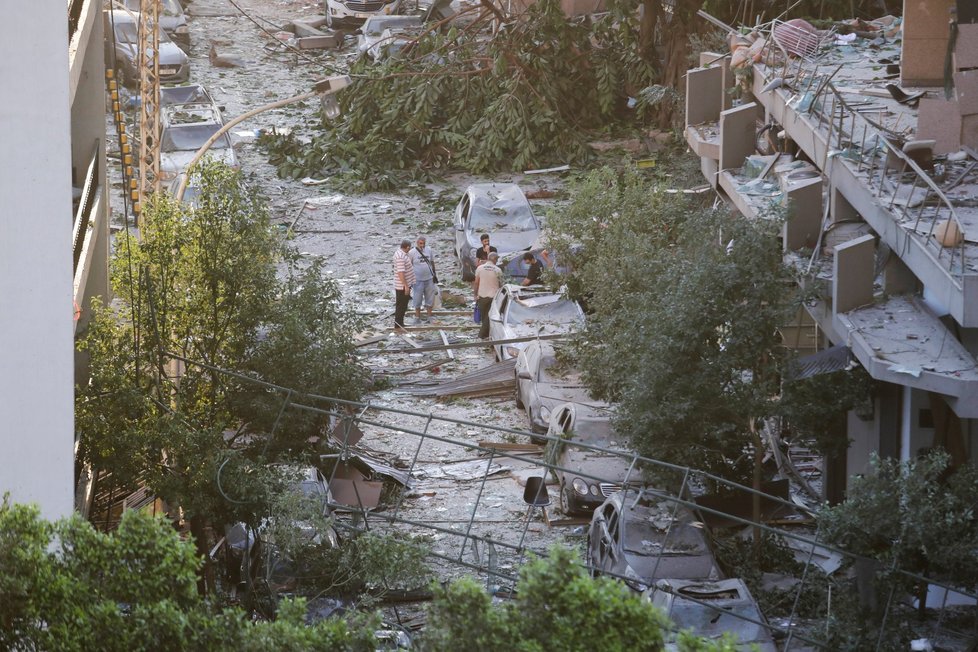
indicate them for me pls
(403, 282)
(486, 285)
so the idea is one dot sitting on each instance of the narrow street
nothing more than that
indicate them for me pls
(357, 235)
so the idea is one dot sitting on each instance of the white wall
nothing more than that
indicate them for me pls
(36, 349)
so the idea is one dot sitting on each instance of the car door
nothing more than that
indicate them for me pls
(461, 216)
(497, 313)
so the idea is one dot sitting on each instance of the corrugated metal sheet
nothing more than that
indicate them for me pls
(835, 358)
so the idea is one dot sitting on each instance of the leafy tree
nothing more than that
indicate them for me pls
(696, 297)
(68, 587)
(533, 93)
(917, 516)
(558, 607)
(211, 284)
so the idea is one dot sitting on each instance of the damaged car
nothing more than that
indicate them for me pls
(382, 36)
(173, 20)
(640, 543)
(586, 478)
(500, 210)
(520, 311)
(354, 12)
(542, 384)
(122, 50)
(187, 126)
(712, 609)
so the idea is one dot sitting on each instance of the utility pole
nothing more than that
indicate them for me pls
(149, 104)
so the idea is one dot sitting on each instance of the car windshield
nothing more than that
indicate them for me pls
(713, 623)
(560, 311)
(551, 372)
(192, 137)
(503, 209)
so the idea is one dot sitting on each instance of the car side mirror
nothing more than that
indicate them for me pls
(524, 375)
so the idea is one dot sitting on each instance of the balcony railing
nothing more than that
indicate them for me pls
(86, 204)
(869, 150)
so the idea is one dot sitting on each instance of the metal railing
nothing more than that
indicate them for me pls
(868, 149)
(475, 546)
(86, 204)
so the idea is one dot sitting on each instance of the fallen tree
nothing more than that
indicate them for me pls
(530, 94)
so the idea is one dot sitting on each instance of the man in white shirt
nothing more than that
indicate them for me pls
(486, 285)
(424, 277)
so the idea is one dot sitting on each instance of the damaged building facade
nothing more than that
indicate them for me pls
(881, 204)
(53, 238)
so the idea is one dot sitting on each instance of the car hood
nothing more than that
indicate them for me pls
(176, 162)
(506, 242)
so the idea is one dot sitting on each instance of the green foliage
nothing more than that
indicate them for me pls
(202, 282)
(696, 296)
(369, 563)
(558, 607)
(807, 403)
(67, 587)
(526, 97)
(917, 515)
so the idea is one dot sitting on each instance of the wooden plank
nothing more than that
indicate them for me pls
(444, 338)
(508, 446)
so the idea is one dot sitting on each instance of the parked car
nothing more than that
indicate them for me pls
(189, 94)
(173, 20)
(591, 476)
(542, 385)
(641, 543)
(502, 211)
(711, 609)
(187, 126)
(518, 311)
(122, 50)
(354, 12)
(381, 34)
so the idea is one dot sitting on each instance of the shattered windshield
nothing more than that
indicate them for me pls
(713, 623)
(562, 311)
(192, 137)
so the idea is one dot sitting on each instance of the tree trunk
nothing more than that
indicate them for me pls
(756, 486)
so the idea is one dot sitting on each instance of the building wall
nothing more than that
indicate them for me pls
(36, 350)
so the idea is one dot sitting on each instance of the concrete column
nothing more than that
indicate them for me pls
(897, 277)
(852, 274)
(737, 135)
(36, 347)
(723, 61)
(840, 210)
(704, 95)
(804, 201)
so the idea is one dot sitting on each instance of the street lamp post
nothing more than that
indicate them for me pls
(324, 87)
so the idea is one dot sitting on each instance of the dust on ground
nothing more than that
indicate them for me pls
(356, 235)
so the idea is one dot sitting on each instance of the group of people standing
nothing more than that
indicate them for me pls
(415, 276)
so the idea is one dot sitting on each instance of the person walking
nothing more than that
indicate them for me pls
(425, 278)
(403, 282)
(485, 287)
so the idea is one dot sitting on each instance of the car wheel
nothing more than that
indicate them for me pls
(565, 501)
(519, 401)
(467, 275)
